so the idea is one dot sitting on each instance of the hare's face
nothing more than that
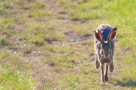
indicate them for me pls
(106, 50)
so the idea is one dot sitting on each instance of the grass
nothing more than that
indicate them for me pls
(9, 77)
(14, 80)
(4, 42)
(36, 54)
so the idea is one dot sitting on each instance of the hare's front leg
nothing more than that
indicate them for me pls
(111, 66)
(97, 64)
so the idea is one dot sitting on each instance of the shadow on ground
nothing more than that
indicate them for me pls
(128, 83)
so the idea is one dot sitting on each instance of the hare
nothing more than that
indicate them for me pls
(104, 40)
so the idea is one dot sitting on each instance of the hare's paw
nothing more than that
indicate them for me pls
(111, 67)
(97, 64)
(106, 78)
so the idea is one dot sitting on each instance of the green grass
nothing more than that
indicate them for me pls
(118, 13)
(4, 42)
(9, 80)
(36, 54)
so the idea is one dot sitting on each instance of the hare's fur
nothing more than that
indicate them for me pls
(99, 58)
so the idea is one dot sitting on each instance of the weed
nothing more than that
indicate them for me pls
(4, 41)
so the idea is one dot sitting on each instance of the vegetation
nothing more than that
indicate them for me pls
(48, 44)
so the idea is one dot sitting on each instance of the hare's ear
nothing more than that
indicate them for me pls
(98, 35)
(113, 33)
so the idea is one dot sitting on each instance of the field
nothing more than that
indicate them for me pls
(48, 44)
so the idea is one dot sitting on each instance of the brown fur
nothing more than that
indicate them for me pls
(99, 58)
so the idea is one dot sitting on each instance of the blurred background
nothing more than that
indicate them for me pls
(48, 44)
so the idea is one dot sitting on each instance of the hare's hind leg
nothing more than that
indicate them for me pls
(106, 73)
(102, 73)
